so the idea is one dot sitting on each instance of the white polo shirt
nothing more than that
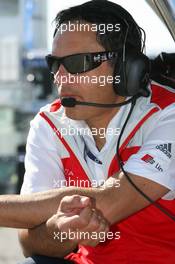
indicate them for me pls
(155, 160)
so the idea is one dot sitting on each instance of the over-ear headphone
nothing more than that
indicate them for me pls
(131, 64)
(133, 67)
(134, 74)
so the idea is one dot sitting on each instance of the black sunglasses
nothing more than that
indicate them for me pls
(79, 63)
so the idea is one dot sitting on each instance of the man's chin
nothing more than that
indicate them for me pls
(74, 114)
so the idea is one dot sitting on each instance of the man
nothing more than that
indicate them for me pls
(98, 41)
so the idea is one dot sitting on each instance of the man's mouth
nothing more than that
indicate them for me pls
(78, 98)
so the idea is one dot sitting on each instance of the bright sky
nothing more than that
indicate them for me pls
(158, 37)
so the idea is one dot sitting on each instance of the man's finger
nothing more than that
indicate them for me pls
(80, 221)
(72, 202)
(94, 222)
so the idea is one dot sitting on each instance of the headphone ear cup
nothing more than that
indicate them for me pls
(134, 74)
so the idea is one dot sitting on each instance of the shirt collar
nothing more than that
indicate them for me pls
(113, 128)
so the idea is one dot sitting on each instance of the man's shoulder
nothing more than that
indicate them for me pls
(53, 109)
(53, 114)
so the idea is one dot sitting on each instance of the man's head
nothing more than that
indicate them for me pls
(105, 13)
(95, 26)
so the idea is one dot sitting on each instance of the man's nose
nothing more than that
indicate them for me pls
(62, 70)
(60, 74)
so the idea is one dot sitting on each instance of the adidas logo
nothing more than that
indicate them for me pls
(165, 148)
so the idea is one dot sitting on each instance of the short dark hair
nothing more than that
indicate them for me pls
(105, 12)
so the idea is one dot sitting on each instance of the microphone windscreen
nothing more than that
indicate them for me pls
(68, 102)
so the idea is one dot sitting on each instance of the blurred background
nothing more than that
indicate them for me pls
(26, 31)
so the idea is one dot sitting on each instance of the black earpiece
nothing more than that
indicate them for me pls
(134, 74)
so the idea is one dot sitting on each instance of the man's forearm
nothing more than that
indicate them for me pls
(28, 211)
(38, 241)
(117, 204)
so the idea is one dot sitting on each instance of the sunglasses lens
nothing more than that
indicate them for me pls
(77, 63)
(53, 64)
(80, 63)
